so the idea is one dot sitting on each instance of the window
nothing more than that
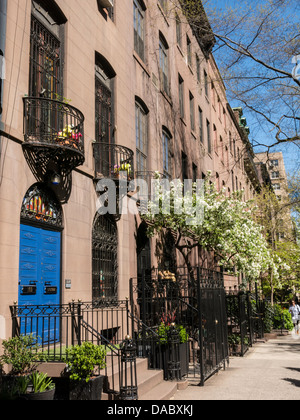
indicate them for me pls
(178, 31)
(104, 115)
(224, 119)
(209, 148)
(218, 182)
(206, 83)
(181, 96)
(274, 162)
(139, 30)
(163, 4)
(105, 258)
(226, 157)
(192, 112)
(275, 175)
(195, 173)
(189, 51)
(164, 64)
(167, 159)
(198, 68)
(277, 187)
(45, 62)
(201, 124)
(184, 166)
(104, 105)
(141, 130)
(106, 8)
(41, 206)
(222, 149)
(213, 91)
(215, 138)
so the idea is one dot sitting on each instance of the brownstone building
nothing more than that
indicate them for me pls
(86, 91)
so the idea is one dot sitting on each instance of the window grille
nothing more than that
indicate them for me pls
(105, 259)
(45, 63)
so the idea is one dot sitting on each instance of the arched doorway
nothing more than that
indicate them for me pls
(40, 255)
(105, 258)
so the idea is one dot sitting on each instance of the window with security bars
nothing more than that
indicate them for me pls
(45, 62)
(104, 125)
(105, 259)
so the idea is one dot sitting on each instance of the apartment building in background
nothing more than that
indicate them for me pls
(274, 163)
(86, 92)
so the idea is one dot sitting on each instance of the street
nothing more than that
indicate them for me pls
(269, 371)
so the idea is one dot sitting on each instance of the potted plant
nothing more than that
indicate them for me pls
(163, 348)
(69, 136)
(123, 167)
(35, 387)
(21, 357)
(82, 379)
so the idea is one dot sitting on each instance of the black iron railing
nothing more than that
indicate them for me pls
(51, 125)
(195, 301)
(59, 327)
(111, 160)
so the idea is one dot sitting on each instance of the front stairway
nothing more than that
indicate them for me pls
(151, 384)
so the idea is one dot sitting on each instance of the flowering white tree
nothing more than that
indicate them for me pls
(215, 223)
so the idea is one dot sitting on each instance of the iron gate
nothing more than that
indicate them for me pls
(193, 300)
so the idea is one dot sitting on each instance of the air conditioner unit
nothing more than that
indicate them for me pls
(105, 3)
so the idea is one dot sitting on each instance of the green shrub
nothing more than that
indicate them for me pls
(282, 319)
(22, 353)
(83, 360)
(163, 330)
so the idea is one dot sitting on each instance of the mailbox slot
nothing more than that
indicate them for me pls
(28, 290)
(50, 290)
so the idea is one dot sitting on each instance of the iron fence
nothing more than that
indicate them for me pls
(58, 327)
(245, 321)
(195, 301)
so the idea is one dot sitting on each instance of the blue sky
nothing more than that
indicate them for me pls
(263, 135)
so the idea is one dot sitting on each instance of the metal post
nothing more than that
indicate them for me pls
(14, 319)
(200, 326)
(174, 366)
(144, 313)
(79, 319)
(128, 373)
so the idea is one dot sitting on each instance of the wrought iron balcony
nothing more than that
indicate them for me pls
(111, 160)
(53, 133)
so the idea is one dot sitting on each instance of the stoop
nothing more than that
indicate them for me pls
(151, 384)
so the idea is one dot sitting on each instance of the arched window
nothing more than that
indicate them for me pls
(46, 50)
(40, 206)
(105, 258)
(141, 134)
(105, 75)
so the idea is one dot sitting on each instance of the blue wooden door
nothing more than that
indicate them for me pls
(39, 281)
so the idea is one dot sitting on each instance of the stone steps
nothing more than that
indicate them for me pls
(151, 383)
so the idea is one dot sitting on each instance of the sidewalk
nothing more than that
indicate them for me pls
(269, 371)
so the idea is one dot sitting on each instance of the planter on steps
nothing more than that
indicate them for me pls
(68, 390)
